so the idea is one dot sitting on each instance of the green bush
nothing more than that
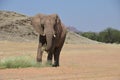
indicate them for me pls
(19, 62)
(108, 35)
(90, 35)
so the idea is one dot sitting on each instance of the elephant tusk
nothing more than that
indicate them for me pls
(43, 34)
(54, 35)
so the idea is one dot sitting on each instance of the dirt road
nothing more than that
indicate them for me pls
(77, 62)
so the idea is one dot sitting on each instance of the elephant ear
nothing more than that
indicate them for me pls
(36, 22)
(58, 26)
(57, 19)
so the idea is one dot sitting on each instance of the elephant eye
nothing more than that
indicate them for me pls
(42, 25)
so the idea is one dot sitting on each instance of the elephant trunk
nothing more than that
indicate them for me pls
(49, 39)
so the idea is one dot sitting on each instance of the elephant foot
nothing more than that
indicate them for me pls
(39, 60)
(55, 65)
(49, 62)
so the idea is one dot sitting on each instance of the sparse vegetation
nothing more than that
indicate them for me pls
(108, 35)
(20, 62)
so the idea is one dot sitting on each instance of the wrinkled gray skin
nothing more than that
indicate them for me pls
(51, 36)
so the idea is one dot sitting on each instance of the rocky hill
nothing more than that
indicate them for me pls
(17, 27)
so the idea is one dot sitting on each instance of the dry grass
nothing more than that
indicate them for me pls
(78, 62)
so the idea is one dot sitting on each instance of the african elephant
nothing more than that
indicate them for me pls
(52, 34)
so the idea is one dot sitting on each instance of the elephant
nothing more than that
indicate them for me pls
(52, 34)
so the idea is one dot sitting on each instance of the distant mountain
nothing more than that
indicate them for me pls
(73, 29)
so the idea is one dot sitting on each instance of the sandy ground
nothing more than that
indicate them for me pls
(77, 62)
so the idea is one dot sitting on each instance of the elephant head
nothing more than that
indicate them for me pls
(47, 25)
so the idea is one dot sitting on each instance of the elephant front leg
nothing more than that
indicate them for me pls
(39, 53)
(56, 57)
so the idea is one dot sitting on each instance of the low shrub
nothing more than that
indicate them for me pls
(20, 62)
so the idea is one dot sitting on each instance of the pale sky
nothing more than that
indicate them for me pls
(85, 15)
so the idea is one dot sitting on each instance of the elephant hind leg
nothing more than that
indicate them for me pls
(49, 58)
